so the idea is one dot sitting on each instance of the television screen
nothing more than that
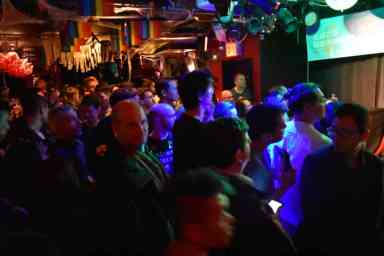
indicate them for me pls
(345, 36)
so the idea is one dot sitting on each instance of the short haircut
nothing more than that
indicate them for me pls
(120, 95)
(263, 118)
(223, 138)
(56, 113)
(89, 79)
(91, 101)
(302, 94)
(192, 85)
(162, 85)
(32, 103)
(357, 112)
(223, 109)
(189, 193)
(4, 106)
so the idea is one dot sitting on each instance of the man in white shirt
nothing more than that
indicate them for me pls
(306, 102)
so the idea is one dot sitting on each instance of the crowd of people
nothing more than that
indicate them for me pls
(174, 167)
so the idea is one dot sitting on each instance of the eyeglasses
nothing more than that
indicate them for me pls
(342, 132)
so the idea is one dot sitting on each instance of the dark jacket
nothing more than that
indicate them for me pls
(340, 204)
(257, 230)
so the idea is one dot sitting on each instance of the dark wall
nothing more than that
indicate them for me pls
(283, 60)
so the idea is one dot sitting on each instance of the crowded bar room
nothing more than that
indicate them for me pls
(191, 127)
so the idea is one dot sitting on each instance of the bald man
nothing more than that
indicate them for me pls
(129, 181)
(161, 119)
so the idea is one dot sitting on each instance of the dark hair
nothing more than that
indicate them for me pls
(53, 113)
(192, 85)
(263, 119)
(91, 100)
(32, 103)
(357, 112)
(302, 94)
(4, 105)
(162, 85)
(201, 182)
(223, 137)
(120, 95)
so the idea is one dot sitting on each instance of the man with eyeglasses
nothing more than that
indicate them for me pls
(341, 190)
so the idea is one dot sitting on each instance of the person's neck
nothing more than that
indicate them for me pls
(239, 90)
(196, 113)
(159, 134)
(191, 242)
(258, 147)
(131, 151)
(304, 118)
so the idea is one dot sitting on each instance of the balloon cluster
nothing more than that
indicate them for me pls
(11, 64)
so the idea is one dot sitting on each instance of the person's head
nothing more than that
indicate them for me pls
(162, 117)
(41, 86)
(201, 209)
(89, 110)
(196, 89)
(349, 129)
(147, 99)
(226, 95)
(277, 96)
(123, 94)
(227, 143)
(53, 96)
(35, 107)
(307, 101)
(167, 90)
(64, 123)
(90, 83)
(225, 109)
(266, 123)
(4, 117)
(72, 96)
(240, 81)
(129, 125)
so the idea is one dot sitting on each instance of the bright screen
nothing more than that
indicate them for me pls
(348, 35)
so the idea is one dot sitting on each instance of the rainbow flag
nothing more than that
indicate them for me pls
(136, 32)
(154, 28)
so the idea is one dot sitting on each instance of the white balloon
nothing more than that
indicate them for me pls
(340, 5)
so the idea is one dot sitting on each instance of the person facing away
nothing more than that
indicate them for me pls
(196, 92)
(341, 188)
(228, 145)
(240, 89)
(203, 220)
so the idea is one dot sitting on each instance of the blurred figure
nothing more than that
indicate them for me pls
(242, 107)
(228, 146)
(241, 90)
(277, 96)
(54, 98)
(161, 120)
(72, 96)
(201, 213)
(41, 86)
(196, 93)
(324, 123)
(90, 84)
(225, 109)
(147, 100)
(167, 91)
(89, 111)
(4, 126)
(226, 95)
